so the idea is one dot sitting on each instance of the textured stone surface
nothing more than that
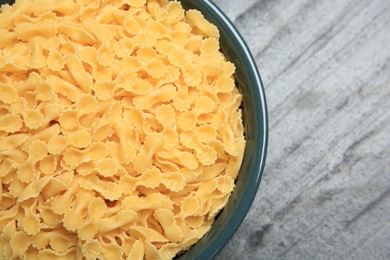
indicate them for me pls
(326, 188)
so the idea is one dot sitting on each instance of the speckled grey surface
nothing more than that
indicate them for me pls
(326, 188)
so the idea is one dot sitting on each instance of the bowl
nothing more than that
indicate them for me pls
(256, 131)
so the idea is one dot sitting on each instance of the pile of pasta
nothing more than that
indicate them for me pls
(121, 133)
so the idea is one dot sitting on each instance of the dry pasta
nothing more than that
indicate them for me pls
(121, 132)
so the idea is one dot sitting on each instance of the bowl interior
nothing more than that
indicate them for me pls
(256, 130)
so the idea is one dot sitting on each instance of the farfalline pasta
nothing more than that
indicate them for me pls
(120, 129)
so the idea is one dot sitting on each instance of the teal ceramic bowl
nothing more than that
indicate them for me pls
(256, 130)
(256, 127)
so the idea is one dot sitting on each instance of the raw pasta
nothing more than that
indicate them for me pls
(120, 129)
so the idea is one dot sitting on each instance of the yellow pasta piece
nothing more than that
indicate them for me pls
(32, 119)
(151, 178)
(183, 158)
(206, 187)
(111, 251)
(191, 75)
(37, 151)
(10, 123)
(44, 135)
(74, 216)
(148, 55)
(171, 229)
(44, 92)
(109, 190)
(78, 72)
(96, 210)
(153, 201)
(147, 234)
(33, 189)
(20, 242)
(143, 160)
(16, 187)
(136, 3)
(189, 206)
(8, 94)
(31, 253)
(169, 251)
(139, 87)
(217, 205)
(126, 243)
(181, 100)
(30, 223)
(225, 184)
(137, 251)
(229, 140)
(8, 38)
(107, 167)
(92, 249)
(179, 36)
(200, 25)
(37, 59)
(8, 215)
(104, 90)
(74, 157)
(224, 84)
(21, 18)
(61, 203)
(194, 235)
(15, 156)
(64, 88)
(49, 218)
(210, 46)
(60, 243)
(8, 231)
(103, 126)
(187, 121)
(132, 26)
(234, 164)
(76, 33)
(122, 218)
(206, 154)
(175, 13)
(195, 221)
(204, 105)
(79, 139)
(124, 130)
(163, 94)
(63, 7)
(13, 141)
(173, 181)
(45, 28)
(105, 55)
(52, 254)
(151, 251)
(156, 69)
(57, 144)
(165, 165)
(213, 171)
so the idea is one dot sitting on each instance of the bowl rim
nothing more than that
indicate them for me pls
(235, 219)
(247, 199)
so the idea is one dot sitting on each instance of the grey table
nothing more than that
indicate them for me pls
(325, 193)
